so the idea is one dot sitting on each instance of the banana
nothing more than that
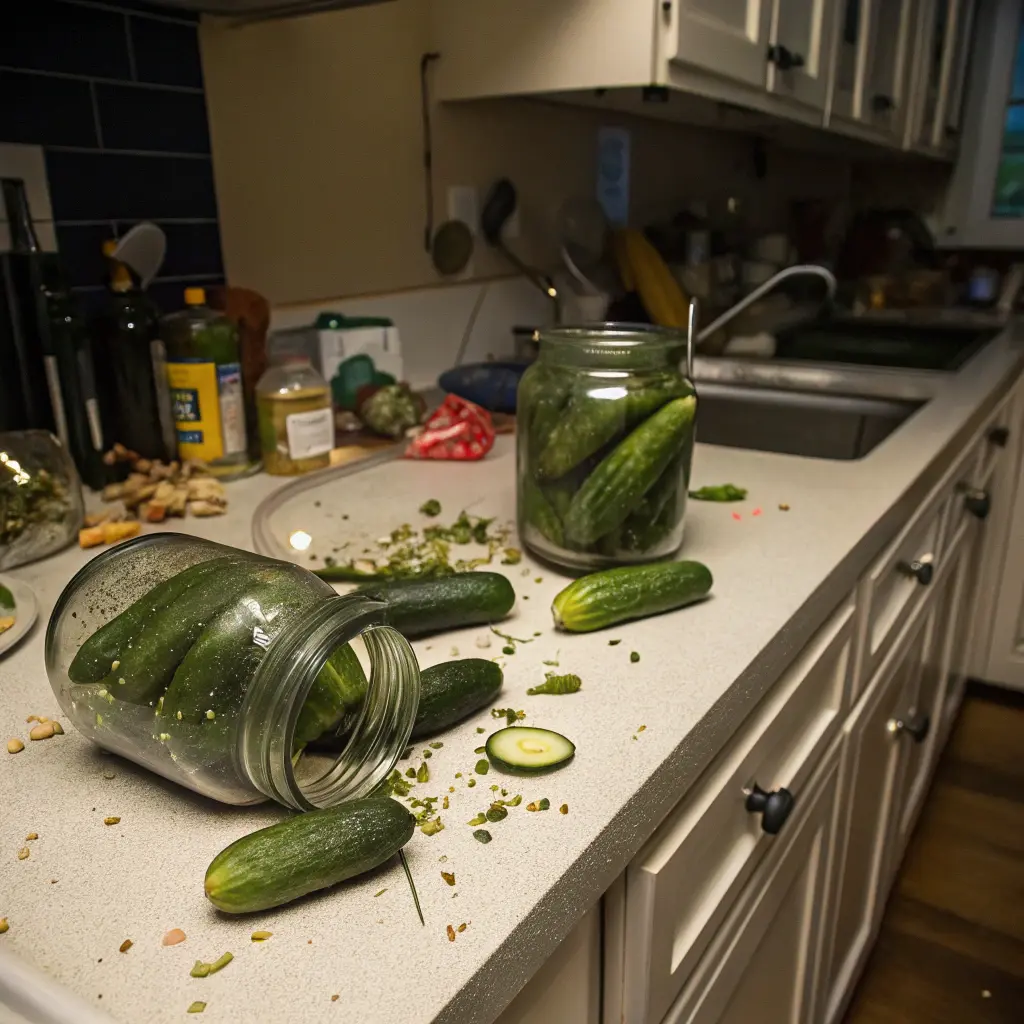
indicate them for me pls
(658, 289)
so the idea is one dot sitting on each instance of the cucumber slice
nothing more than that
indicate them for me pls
(521, 748)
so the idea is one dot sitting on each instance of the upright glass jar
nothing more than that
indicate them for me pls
(296, 419)
(238, 676)
(605, 433)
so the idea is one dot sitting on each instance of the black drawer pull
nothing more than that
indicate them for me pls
(978, 502)
(921, 571)
(784, 58)
(915, 726)
(774, 807)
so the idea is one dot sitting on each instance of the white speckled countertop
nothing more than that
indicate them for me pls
(87, 887)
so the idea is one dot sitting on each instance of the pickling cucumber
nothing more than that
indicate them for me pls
(521, 748)
(630, 592)
(590, 422)
(418, 607)
(453, 690)
(105, 646)
(624, 476)
(540, 513)
(306, 852)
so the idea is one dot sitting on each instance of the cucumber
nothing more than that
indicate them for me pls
(524, 749)
(306, 852)
(631, 592)
(94, 658)
(590, 422)
(539, 513)
(616, 486)
(149, 661)
(418, 607)
(337, 692)
(547, 407)
(453, 690)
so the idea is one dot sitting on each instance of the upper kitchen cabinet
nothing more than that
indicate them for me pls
(985, 202)
(874, 50)
(726, 38)
(770, 56)
(942, 48)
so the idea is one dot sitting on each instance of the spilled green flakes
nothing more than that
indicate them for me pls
(477, 819)
(557, 685)
(480, 729)
(449, 877)
(436, 745)
(428, 754)
(496, 813)
(423, 774)
(380, 892)
(634, 657)
(614, 643)
(432, 507)
(196, 1007)
(513, 556)
(471, 783)
(508, 649)
(201, 970)
(483, 766)
(479, 750)
(481, 835)
(432, 827)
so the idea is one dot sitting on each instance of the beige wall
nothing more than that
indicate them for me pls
(316, 133)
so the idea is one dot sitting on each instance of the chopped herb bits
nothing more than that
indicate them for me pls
(634, 657)
(112, 820)
(564, 809)
(449, 877)
(197, 1007)
(451, 933)
(496, 813)
(478, 819)
(483, 766)
(432, 507)
(556, 684)
(125, 946)
(423, 774)
(260, 936)
(432, 827)
(23, 853)
(481, 835)
(380, 892)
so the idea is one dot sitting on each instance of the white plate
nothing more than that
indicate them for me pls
(25, 612)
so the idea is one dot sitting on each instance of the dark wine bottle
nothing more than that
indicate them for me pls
(25, 396)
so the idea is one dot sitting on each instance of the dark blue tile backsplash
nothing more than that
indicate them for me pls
(113, 92)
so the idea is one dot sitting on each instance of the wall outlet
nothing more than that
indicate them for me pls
(464, 205)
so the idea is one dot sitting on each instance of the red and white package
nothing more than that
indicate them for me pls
(457, 430)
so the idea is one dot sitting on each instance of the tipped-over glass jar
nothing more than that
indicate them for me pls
(239, 676)
(605, 424)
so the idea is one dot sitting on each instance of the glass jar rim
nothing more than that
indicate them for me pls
(613, 333)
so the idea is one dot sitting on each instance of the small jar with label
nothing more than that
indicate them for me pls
(204, 372)
(296, 419)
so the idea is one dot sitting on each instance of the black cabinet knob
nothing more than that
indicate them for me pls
(774, 807)
(921, 571)
(978, 503)
(784, 58)
(880, 103)
(914, 726)
(999, 436)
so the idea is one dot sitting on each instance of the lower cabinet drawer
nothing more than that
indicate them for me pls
(763, 965)
(685, 881)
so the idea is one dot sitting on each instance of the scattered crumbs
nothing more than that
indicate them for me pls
(443, 859)
(481, 835)
(451, 933)
(756, 512)
(112, 820)
(633, 737)
(614, 643)
(444, 804)
(23, 853)
(432, 827)
(436, 745)
(471, 783)
(479, 750)
(462, 927)
(478, 819)
(197, 1007)
(539, 805)
(480, 729)
(783, 507)
(428, 754)
(173, 937)
(737, 516)
(260, 936)
(634, 657)
(526, 597)
(451, 789)
(31, 836)
(564, 809)
(641, 729)
(125, 946)
(538, 579)
(335, 997)
(448, 876)
(380, 892)
(508, 649)
(455, 652)
(423, 773)
(483, 766)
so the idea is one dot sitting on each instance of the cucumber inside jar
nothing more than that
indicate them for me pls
(177, 677)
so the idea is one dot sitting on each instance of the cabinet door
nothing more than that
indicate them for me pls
(762, 965)
(872, 768)
(921, 732)
(941, 24)
(800, 50)
(1006, 654)
(884, 102)
(958, 71)
(726, 37)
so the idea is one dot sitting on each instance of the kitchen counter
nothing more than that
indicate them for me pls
(87, 887)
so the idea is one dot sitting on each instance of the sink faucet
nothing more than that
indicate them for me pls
(800, 270)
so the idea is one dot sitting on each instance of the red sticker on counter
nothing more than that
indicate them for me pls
(458, 430)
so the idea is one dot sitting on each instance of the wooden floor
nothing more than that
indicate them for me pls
(951, 948)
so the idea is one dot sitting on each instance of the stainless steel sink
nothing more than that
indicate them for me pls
(795, 422)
